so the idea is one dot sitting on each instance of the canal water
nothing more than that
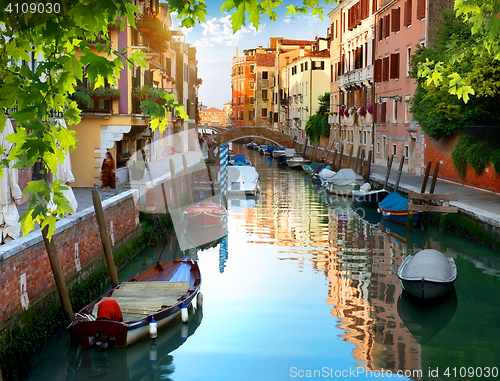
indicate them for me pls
(305, 286)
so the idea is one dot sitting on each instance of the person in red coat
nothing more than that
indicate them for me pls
(109, 310)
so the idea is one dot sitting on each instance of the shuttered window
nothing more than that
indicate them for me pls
(420, 9)
(380, 31)
(385, 69)
(387, 26)
(394, 66)
(395, 14)
(378, 71)
(383, 112)
(407, 13)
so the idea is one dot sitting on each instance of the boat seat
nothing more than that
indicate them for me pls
(139, 299)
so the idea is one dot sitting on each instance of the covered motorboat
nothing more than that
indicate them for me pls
(394, 207)
(344, 182)
(326, 175)
(366, 197)
(242, 181)
(316, 168)
(297, 162)
(240, 160)
(428, 274)
(278, 151)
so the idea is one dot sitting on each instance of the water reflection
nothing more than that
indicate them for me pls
(425, 318)
(147, 360)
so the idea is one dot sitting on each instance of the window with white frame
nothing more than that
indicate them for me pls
(252, 85)
(406, 152)
(394, 111)
(407, 109)
(408, 59)
(252, 69)
(378, 147)
(264, 112)
(364, 137)
(265, 75)
(394, 149)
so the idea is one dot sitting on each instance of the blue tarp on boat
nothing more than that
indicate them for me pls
(270, 149)
(240, 158)
(394, 201)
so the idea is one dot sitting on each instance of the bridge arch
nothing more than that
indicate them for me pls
(265, 133)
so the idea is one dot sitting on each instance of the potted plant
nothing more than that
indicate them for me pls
(123, 157)
(137, 170)
(370, 109)
(81, 97)
(362, 111)
(142, 92)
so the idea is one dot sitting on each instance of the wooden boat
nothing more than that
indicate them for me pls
(366, 197)
(428, 274)
(158, 293)
(394, 207)
(205, 214)
(297, 161)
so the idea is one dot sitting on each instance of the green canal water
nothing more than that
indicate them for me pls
(307, 288)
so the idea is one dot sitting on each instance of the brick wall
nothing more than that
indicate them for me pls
(76, 232)
(440, 152)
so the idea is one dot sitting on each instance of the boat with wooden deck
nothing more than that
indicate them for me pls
(297, 162)
(205, 214)
(158, 293)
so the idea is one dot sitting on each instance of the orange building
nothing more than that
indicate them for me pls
(243, 88)
(213, 117)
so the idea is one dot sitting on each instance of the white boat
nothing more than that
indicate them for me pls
(343, 182)
(326, 175)
(428, 274)
(278, 151)
(242, 181)
(290, 152)
(297, 161)
(366, 197)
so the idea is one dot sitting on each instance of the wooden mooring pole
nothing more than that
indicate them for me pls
(334, 161)
(368, 166)
(426, 177)
(357, 159)
(389, 165)
(187, 176)
(400, 170)
(57, 271)
(350, 157)
(361, 161)
(341, 156)
(106, 244)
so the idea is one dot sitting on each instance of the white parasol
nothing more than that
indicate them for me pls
(65, 174)
(10, 226)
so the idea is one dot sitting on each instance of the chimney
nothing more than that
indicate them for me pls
(302, 52)
(236, 52)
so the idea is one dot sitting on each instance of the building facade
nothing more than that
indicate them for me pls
(213, 117)
(243, 88)
(264, 79)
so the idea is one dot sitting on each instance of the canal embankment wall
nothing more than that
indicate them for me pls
(479, 210)
(25, 272)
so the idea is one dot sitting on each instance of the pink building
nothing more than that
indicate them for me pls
(400, 26)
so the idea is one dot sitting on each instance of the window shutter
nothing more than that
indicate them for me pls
(374, 6)
(322, 65)
(360, 57)
(383, 112)
(393, 20)
(405, 14)
(420, 9)
(408, 15)
(394, 66)
(379, 28)
(373, 51)
(385, 69)
(376, 113)
(148, 78)
(387, 26)
(378, 71)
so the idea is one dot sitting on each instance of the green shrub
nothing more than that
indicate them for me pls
(479, 155)
(495, 158)
(459, 156)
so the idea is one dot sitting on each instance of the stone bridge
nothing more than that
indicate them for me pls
(272, 136)
(208, 127)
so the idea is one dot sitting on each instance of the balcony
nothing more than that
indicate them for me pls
(357, 78)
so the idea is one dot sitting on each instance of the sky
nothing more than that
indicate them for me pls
(216, 44)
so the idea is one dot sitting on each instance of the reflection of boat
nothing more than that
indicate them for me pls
(399, 233)
(297, 161)
(424, 319)
(428, 274)
(205, 214)
(146, 360)
(369, 215)
(366, 197)
(344, 182)
(159, 292)
(204, 238)
(394, 207)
